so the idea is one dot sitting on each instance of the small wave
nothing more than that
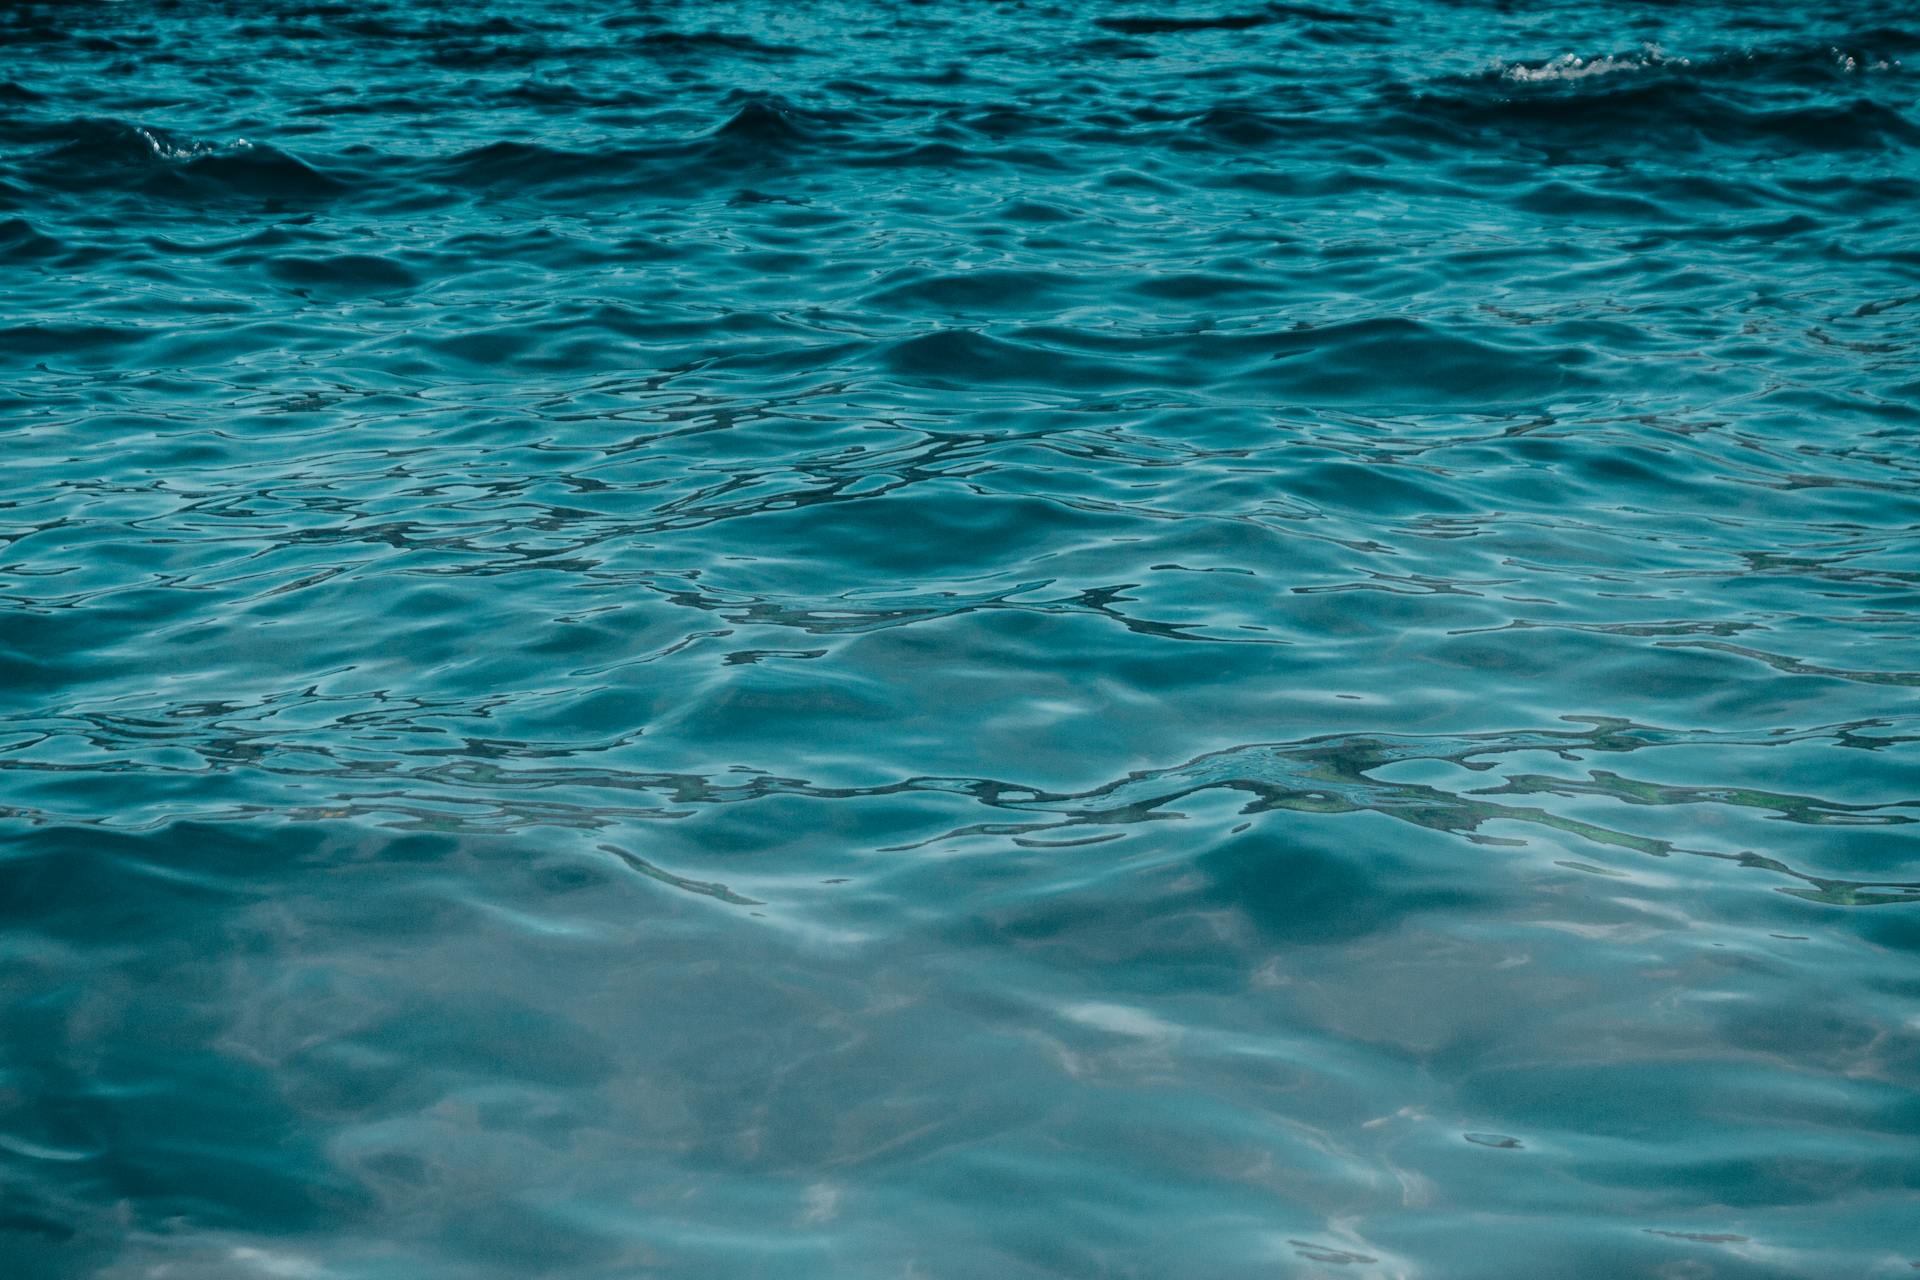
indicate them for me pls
(1378, 359)
(960, 357)
(1569, 67)
(678, 43)
(167, 146)
(976, 292)
(65, 341)
(523, 163)
(344, 23)
(1152, 24)
(344, 273)
(261, 170)
(1167, 24)
(103, 142)
(20, 242)
(764, 121)
(761, 131)
(97, 154)
(1803, 65)
(1613, 106)
(562, 95)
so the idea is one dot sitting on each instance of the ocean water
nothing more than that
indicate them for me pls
(936, 641)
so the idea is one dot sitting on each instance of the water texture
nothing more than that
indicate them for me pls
(988, 640)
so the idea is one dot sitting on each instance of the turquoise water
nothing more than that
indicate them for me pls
(973, 640)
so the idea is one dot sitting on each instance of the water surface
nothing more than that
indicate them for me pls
(974, 640)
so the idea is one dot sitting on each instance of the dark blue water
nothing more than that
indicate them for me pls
(972, 640)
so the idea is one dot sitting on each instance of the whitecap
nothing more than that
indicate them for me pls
(1569, 66)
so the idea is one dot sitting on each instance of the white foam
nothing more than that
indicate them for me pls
(1569, 66)
(165, 148)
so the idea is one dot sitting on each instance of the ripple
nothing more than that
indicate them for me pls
(885, 640)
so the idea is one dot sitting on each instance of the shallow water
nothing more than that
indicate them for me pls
(994, 640)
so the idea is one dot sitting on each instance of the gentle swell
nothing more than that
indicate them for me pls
(1019, 640)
